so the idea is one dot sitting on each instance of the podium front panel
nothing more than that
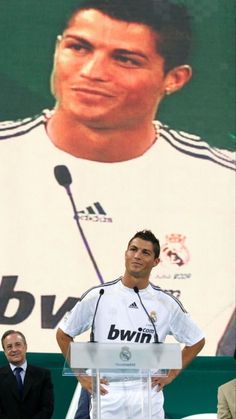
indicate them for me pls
(122, 358)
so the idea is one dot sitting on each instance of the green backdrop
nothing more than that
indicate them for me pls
(192, 392)
(205, 107)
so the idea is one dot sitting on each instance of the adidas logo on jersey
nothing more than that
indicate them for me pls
(133, 305)
(95, 213)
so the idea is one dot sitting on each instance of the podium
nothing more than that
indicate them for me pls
(129, 369)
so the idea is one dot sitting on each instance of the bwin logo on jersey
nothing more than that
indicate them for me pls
(128, 335)
(94, 213)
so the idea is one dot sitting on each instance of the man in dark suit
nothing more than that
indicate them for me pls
(26, 391)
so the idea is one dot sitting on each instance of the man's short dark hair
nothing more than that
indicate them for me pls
(148, 236)
(11, 332)
(170, 21)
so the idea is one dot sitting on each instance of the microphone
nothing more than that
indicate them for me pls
(101, 292)
(156, 339)
(64, 179)
(62, 175)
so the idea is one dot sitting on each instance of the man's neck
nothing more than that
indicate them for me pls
(132, 281)
(97, 144)
(20, 364)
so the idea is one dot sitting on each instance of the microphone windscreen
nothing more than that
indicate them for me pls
(136, 289)
(62, 175)
(101, 292)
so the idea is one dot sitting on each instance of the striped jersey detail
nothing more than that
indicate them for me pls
(194, 146)
(188, 144)
(105, 285)
(12, 129)
(156, 288)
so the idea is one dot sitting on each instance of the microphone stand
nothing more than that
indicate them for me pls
(63, 177)
(76, 217)
(156, 339)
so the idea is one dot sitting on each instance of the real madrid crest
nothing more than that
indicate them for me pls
(174, 251)
(125, 354)
(153, 315)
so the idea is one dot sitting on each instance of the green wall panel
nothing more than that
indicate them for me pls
(193, 391)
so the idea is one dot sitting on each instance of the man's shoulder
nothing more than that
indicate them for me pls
(101, 289)
(167, 296)
(228, 385)
(20, 127)
(193, 146)
(4, 369)
(35, 369)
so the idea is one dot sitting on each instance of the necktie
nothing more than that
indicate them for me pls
(17, 372)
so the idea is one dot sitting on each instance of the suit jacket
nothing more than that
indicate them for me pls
(226, 408)
(38, 398)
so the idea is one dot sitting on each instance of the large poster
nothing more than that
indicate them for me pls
(185, 196)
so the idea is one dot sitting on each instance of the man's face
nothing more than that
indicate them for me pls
(15, 349)
(140, 258)
(107, 72)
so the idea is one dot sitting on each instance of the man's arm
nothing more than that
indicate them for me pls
(63, 341)
(188, 354)
(46, 402)
(2, 415)
(223, 411)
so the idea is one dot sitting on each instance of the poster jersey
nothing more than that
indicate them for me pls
(180, 189)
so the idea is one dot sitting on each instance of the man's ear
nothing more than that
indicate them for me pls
(177, 78)
(156, 261)
(52, 89)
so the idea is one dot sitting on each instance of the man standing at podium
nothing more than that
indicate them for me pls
(132, 309)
